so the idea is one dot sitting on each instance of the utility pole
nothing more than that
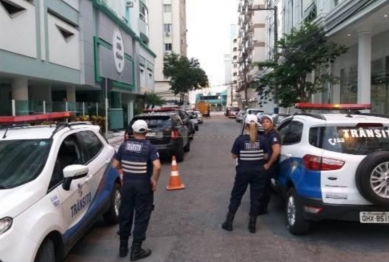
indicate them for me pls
(275, 10)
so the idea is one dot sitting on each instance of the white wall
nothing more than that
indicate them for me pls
(73, 3)
(156, 16)
(62, 52)
(18, 34)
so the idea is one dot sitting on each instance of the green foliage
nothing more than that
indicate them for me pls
(185, 74)
(300, 67)
(152, 100)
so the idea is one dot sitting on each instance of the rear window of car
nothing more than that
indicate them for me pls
(350, 140)
(155, 121)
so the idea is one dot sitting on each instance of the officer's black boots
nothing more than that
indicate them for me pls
(137, 252)
(253, 224)
(227, 225)
(123, 250)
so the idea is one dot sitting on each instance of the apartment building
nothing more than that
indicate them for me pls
(56, 54)
(167, 26)
(251, 48)
(363, 26)
(234, 71)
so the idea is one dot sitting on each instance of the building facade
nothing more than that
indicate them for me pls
(167, 24)
(61, 55)
(217, 100)
(363, 26)
(227, 75)
(251, 48)
(234, 71)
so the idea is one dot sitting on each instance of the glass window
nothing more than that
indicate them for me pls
(167, 8)
(358, 140)
(168, 47)
(293, 134)
(167, 28)
(91, 142)
(21, 161)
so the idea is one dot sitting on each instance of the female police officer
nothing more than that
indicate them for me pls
(251, 152)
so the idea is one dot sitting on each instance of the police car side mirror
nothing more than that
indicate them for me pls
(73, 172)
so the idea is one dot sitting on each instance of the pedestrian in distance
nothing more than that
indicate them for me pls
(251, 151)
(273, 138)
(139, 160)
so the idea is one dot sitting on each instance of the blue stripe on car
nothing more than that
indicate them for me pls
(306, 182)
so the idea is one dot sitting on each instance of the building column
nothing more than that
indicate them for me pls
(71, 93)
(130, 112)
(20, 95)
(364, 67)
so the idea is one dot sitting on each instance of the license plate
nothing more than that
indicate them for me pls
(374, 217)
(151, 134)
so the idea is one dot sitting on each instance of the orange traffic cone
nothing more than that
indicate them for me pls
(175, 180)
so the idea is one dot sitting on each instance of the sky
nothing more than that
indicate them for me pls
(208, 23)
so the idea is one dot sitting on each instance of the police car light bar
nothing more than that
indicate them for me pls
(34, 118)
(332, 106)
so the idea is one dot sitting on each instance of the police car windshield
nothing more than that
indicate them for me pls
(21, 161)
(351, 140)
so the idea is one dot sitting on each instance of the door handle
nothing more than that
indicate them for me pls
(88, 178)
(288, 155)
(108, 161)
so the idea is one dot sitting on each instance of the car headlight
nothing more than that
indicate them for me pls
(5, 224)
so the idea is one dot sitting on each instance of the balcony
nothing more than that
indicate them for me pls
(143, 30)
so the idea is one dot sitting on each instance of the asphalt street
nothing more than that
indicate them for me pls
(185, 226)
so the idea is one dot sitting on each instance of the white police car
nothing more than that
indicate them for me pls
(54, 182)
(334, 166)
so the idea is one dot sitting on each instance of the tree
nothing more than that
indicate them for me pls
(304, 57)
(152, 100)
(185, 74)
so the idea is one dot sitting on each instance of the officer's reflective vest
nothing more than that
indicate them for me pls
(252, 152)
(135, 159)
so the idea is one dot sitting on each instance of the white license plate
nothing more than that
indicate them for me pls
(151, 134)
(374, 217)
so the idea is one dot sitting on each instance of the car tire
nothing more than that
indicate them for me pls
(111, 217)
(46, 252)
(180, 153)
(295, 220)
(187, 147)
(196, 128)
(364, 173)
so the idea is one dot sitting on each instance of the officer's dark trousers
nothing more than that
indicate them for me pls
(137, 199)
(256, 178)
(265, 199)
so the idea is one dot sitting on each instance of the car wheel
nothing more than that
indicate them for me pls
(296, 223)
(180, 153)
(196, 128)
(372, 178)
(46, 252)
(111, 217)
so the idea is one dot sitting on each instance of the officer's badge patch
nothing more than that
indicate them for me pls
(134, 147)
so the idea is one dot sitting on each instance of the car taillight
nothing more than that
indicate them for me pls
(318, 163)
(174, 134)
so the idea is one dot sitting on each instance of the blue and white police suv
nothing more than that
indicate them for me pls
(334, 166)
(54, 183)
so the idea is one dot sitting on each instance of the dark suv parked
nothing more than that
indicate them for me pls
(168, 133)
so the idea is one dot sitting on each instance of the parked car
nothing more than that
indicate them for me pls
(55, 182)
(239, 116)
(194, 118)
(199, 117)
(168, 133)
(181, 113)
(233, 112)
(278, 118)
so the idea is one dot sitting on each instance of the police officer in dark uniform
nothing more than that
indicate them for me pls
(251, 151)
(139, 160)
(274, 141)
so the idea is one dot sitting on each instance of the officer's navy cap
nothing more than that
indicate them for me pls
(140, 126)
